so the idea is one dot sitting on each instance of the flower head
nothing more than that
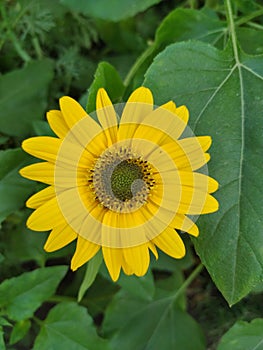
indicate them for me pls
(124, 186)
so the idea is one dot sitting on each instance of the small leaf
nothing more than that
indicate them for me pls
(243, 336)
(90, 275)
(23, 95)
(13, 188)
(184, 24)
(21, 296)
(69, 326)
(224, 94)
(108, 78)
(115, 10)
(19, 331)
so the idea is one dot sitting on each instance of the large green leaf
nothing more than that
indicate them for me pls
(68, 326)
(243, 336)
(224, 93)
(13, 188)
(114, 10)
(21, 296)
(23, 97)
(156, 325)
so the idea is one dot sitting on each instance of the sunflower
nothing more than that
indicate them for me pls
(120, 184)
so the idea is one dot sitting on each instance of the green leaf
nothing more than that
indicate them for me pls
(158, 325)
(21, 296)
(24, 245)
(122, 307)
(4, 322)
(140, 287)
(114, 10)
(250, 40)
(166, 287)
(42, 128)
(108, 78)
(68, 326)
(90, 275)
(19, 331)
(224, 94)
(243, 336)
(13, 188)
(184, 24)
(23, 95)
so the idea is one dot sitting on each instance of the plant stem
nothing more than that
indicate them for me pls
(137, 64)
(232, 29)
(60, 298)
(188, 281)
(249, 17)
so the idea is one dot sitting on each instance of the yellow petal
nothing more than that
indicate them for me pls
(189, 153)
(153, 250)
(139, 104)
(126, 268)
(41, 197)
(183, 223)
(106, 113)
(164, 120)
(59, 237)
(43, 172)
(46, 217)
(170, 243)
(57, 123)
(183, 113)
(113, 261)
(138, 258)
(192, 144)
(71, 110)
(43, 147)
(107, 116)
(195, 202)
(198, 181)
(85, 251)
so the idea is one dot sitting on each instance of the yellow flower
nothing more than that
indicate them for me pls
(123, 186)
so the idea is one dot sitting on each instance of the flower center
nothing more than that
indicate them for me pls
(121, 180)
(126, 180)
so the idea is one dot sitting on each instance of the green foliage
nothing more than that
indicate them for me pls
(153, 325)
(19, 331)
(21, 296)
(243, 336)
(118, 9)
(90, 275)
(217, 88)
(13, 189)
(68, 326)
(204, 56)
(104, 77)
(26, 88)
